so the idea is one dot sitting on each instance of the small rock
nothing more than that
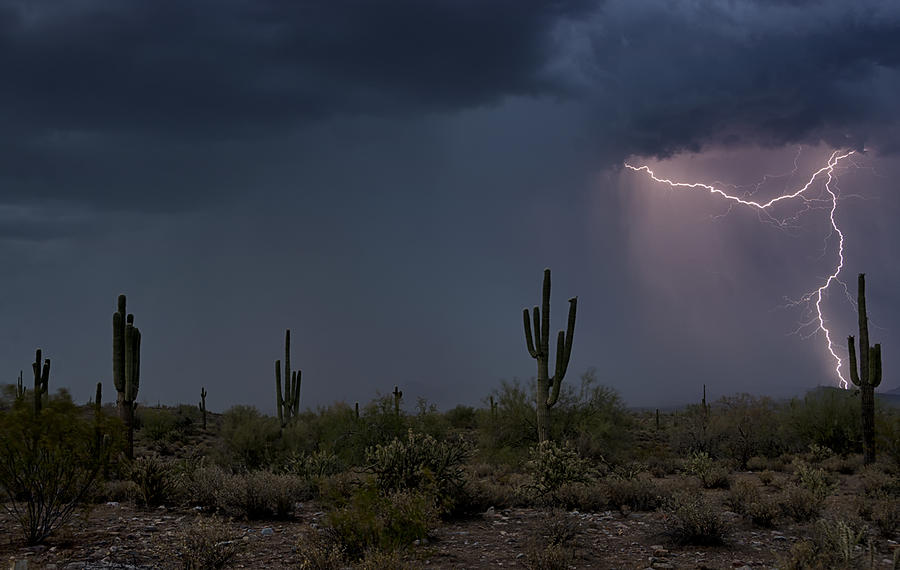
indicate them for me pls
(267, 531)
(659, 551)
(112, 504)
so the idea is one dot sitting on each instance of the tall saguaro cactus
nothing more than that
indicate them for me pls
(126, 369)
(41, 380)
(202, 405)
(288, 401)
(868, 377)
(547, 386)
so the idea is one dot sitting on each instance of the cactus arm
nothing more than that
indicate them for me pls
(560, 371)
(537, 331)
(288, 379)
(851, 345)
(129, 357)
(119, 351)
(875, 366)
(863, 330)
(297, 392)
(528, 339)
(545, 317)
(279, 400)
(570, 333)
(136, 372)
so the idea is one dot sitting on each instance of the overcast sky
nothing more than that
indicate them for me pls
(389, 179)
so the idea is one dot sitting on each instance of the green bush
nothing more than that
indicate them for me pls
(208, 544)
(48, 464)
(260, 494)
(826, 417)
(419, 462)
(695, 521)
(813, 479)
(711, 475)
(639, 494)
(375, 520)
(745, 498)
(832, 546)
(551, 466)
(155, 480)
(800, 503)
(252, 441)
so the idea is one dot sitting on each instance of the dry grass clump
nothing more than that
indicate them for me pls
(745, 498)
(208, 544)
(695, 521)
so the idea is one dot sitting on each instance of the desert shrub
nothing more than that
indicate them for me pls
(766, 477)
(638, 494)
(887, 432)
(208, 544)
(584, 497)
(315, 466)
(885, 514)
(694, 431)
(593, 417)
(745, 498)
(549, 557)
(154, 479)
(320, 550)
(117, 491)
(155, 424)
(745, 426)
(801, 504)
(260, 494)
(847, 465)
(375, 559)
(462, 417)
(550, 466)
(478, 495)
(814, 479)
(252, 440)
(757, 463)
(420, 462)
(694, 521)
(48, 464)
(199, 484)
(712, 476)
(375, 520)
(832, 545)
(826, 417)
(513, 425)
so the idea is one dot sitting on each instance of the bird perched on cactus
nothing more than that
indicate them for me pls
(868, 376)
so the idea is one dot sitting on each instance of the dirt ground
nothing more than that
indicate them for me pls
(121, 536)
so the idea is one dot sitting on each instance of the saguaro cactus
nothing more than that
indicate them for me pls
(398, 396)
(868, 377)
(288, 401)
(126, 369)
(202, 405)
(41, 380)
(548, 387)
(20, 388)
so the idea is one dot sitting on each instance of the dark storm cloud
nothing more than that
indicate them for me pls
(214, 66)
(142, 104)
(666, 77)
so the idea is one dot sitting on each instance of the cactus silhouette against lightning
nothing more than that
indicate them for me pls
(826, 172)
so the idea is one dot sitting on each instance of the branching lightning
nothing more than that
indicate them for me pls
(814, 297)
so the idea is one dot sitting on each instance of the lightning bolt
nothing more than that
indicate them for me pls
(815, 296)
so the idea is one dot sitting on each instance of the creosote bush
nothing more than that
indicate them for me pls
(48, 464)
(695, 521)
(208, 544)
(375, 520)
